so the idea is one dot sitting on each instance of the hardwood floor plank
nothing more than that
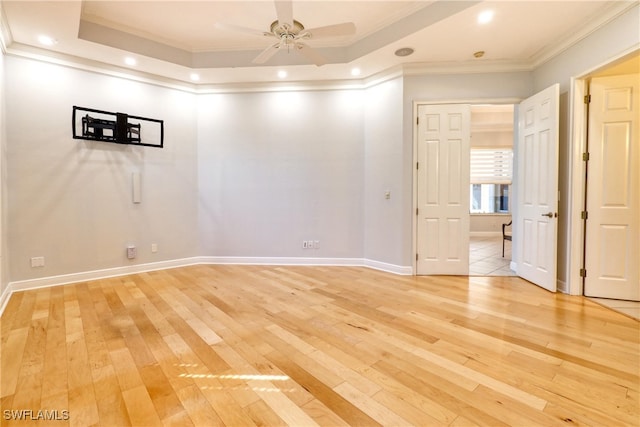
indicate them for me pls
(329, 397)
(276, 345)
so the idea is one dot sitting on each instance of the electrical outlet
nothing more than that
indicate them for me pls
(154, 248)
(305, 244)
(316, 244)
(37, 261)
(131, 252)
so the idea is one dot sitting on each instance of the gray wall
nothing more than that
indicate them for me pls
(70, 201)
(4, 254)
(277, 168)
(384, 161)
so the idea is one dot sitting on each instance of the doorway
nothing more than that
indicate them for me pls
(491, 189)
(442, 184)
(611, 219)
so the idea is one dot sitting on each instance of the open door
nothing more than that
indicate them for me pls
(443, 189)
(535, 232)
(612, 244)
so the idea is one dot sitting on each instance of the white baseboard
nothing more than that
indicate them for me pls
(44, 282)
(4, 299)
(222, 260)
(389, 268)
(562, 286)
(350, 262)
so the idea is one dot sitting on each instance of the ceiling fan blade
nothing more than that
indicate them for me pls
(344, 29)
(311, 54)
(239, 29)
(266, 54)
(284, 12)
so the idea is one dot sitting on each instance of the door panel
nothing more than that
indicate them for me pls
(612, 248)
(443, 189)
(535, 231)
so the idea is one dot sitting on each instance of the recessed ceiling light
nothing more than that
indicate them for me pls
(46, 40)
(485, 17)
(195, 77)
(355, 71)
(282, 74)
(405, 51)
(130, 61)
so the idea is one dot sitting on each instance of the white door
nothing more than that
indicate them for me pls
(443, 189)
(535, 233)
(612, 246)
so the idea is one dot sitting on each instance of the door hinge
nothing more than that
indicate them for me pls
(585, 157)
(584, 215)
(417, 165)
(587, 99)
(417, 210)
(417, 120)
(416, 257)
(583, 272)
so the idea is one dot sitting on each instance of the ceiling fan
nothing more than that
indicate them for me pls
(291, 34)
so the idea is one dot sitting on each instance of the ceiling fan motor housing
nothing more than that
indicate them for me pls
(286, 31)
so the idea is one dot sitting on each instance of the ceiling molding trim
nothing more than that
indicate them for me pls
(616, 9)
(69, 61)
(302, 86)
(106, 36)
(467, 67)
(413, 23)
(398, 71)
(6, 38)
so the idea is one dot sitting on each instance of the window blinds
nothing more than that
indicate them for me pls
(491, 166)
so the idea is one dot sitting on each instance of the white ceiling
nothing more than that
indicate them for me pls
(174, 39)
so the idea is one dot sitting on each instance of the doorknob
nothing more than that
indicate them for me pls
(550, 214)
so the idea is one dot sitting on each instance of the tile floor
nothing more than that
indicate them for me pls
(630, 308)
(485, 256)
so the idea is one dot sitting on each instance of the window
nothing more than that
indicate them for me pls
(491, 174)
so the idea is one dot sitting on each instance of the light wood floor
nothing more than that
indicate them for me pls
(270, 346)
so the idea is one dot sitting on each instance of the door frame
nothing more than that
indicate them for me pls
(414, 157)
(578, 122)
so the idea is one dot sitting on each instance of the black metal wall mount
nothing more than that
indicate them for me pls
(120, 128)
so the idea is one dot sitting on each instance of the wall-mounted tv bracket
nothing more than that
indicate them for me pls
(105, 126)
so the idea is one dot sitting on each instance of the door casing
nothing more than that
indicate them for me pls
(578, 121)
(416, 104)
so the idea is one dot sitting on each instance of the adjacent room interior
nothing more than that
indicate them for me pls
(222, 212)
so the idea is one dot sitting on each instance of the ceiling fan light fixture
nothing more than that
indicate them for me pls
(290, 34)
(404, 51)
(280, 30)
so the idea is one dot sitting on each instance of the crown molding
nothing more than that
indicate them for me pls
(616, 9)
